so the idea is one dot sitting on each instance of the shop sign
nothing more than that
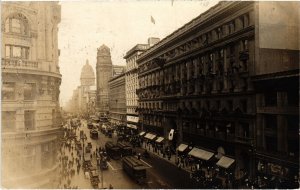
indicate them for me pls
(133, 119)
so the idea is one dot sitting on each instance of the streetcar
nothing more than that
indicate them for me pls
(135, 169)
(112, 150)
(125, 149)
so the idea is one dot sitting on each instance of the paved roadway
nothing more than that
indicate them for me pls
(160, 174)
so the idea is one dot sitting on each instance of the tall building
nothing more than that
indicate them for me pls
(103, 74)
(117, 100)
(132, 84)
(227, 83)
(30, 94)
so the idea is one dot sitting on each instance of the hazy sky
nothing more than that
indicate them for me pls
(120, 25)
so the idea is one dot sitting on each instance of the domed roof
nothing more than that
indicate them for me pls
(103, 50)
(87, 71)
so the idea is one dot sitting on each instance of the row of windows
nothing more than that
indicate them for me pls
(12, 51)
(217, 105)
(211, 62)
(9, 91)
(9, 120)
(230, 27)
(131, 63)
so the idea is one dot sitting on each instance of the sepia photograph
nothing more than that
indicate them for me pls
(150, 94)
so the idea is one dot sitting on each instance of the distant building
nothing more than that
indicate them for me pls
(82, 95)
(117, 70)
(117, 100)
(227, 83)
(132, 84)
(31, 117)
(103, 74)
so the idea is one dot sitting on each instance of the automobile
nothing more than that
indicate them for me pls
(88, 149)
(103, 164)
(90, 125)
(89, 144)
(94, 134)
(94, 177)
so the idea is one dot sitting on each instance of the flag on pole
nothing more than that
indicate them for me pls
(152, 20)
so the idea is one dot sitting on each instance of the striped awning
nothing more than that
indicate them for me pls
(225, 162)
(200, 153)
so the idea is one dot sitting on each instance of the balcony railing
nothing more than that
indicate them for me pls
(19, 63)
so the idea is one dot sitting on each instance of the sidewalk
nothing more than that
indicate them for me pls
(172, 159)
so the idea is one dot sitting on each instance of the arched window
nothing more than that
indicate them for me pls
(17, 23)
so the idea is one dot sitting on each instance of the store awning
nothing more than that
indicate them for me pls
(131, 126)
(148, 135)
(152, 136)
(225, 162)
(200, 153)
(142, 133)
(182, 147)
(159, 139)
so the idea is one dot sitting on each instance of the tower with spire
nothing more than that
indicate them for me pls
(103, 74)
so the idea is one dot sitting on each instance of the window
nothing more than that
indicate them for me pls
(231, 27)
(293, 98)
(271, 122)
(29, 91)
(244, 105)
(219, 33)
(244, 45)
(271, 144)
(8, 91)
(7, 51)
(29, 120)
(271, 99)
(12, 51)
(53, 118)
(17, 24)
(8, 121)
(230, 105)
(292, 123)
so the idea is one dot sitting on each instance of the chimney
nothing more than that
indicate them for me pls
(152, 41)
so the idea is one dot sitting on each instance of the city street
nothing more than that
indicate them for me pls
(160, 174)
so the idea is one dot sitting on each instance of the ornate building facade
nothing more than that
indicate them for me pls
(103, 75)
(117, 100)
(30, 94)
(131, 81)
(209, 82)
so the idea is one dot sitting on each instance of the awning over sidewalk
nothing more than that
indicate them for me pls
(200, 153)
(131, 126)
(225, 162)
(148, 135)
(159, 139)
(142, 133)
(152, 136)
(182, 147)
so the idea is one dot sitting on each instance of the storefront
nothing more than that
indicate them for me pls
(276, 174)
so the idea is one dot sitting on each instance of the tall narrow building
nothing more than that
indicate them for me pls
(103, 74)
(30, 125)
